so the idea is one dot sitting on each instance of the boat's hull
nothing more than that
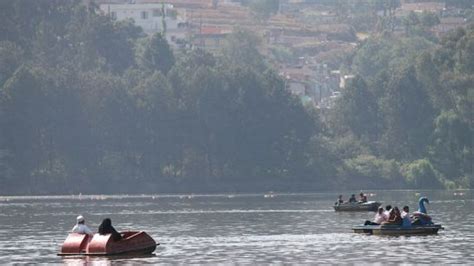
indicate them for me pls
(394, 230)
(133, 243)
(357, 206)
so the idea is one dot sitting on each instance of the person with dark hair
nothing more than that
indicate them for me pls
(352, 199)
(388, 209)
(395, 217)
(406, 217)
(106, 228)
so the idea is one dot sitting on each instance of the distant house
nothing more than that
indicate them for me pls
(175, 3)
(447, 24)
(210, 37)
(147, 16)
(297, 80)
(429, 7)
(151, 17)
(302, 82)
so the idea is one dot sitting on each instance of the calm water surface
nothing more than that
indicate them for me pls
(283, 228)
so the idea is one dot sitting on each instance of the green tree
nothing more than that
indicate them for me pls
(27, 125)
(422, 175)
(408, 116)
(372, 171)
(454, 125)
(429, 19)
(154, 137)
(155, 54)
(241, 49)
(451, 148)
(429, 75)
(385, 54)
(357, 110)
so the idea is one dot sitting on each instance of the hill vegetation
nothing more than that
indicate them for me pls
(93, 105)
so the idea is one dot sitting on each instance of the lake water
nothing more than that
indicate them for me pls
(278, 228)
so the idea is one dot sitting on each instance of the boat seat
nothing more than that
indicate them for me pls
(75, 243)
(133, 235)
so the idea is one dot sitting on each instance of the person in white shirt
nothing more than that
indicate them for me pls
(80, 227)
(379, 218)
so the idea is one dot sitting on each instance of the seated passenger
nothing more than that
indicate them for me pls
(406, 220)
(379, 218)
(394, 218)
(81, 227)
(352, 199)
(388, 209)
(339, 200)
(363, 197)
(106, 228)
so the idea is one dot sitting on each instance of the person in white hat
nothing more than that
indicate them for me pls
(81, 227)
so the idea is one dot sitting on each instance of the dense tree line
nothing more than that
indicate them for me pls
(93, 105)
(89, 104)
(409, 112)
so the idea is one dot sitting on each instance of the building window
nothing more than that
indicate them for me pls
(144, 15)
(113, 15)
(156, 12)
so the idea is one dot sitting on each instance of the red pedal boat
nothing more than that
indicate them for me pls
(99, 245)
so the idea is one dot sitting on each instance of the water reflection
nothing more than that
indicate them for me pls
(284, 228)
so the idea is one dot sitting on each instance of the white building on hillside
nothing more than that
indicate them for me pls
(151, 17)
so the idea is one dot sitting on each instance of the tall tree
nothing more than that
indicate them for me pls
(155, 54)
(241, 49)
(408, 116)
(357, 110)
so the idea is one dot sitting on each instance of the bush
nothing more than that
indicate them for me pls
(372, 171)
(421, 174)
